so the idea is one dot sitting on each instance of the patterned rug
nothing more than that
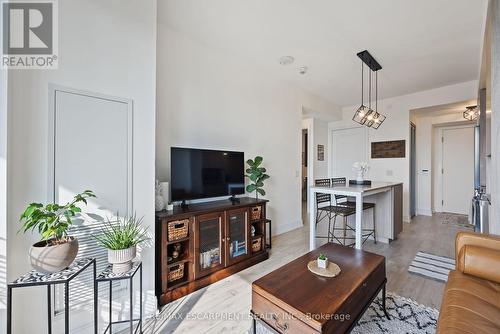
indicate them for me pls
(454, 219)
(406, 316)
(432, 266)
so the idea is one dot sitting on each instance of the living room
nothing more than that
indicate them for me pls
(137, 80)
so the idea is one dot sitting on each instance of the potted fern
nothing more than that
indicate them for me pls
(57, 250)
(121, 239)
(257, 175)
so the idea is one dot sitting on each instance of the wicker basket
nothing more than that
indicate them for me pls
(178, 229)
(255, 213)
(256, 244)
(176, 272)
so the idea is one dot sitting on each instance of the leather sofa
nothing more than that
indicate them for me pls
(471, 301)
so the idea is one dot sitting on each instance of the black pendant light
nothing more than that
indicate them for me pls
(366, 115)
(471, 113)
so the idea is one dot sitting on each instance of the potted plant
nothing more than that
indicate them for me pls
(257, 175)
(322, 261)
(56, 251)
(121, 239)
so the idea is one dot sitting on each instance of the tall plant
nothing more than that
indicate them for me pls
(53, 220)
(125, 233)
(257, 175)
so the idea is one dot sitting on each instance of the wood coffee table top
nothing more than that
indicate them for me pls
(300, 292)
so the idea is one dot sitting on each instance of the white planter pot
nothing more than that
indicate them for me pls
(121, 259)
(323, 263)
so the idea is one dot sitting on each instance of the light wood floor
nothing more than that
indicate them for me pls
(223, 307)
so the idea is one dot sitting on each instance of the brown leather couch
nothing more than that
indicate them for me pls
(471, 302)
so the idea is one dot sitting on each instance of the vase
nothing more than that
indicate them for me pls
(121, 259)
(164, 192)
(159, 202)
(322, 263)
(360, 176)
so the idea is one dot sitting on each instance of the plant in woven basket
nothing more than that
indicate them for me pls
(121, 238)
(257, 175)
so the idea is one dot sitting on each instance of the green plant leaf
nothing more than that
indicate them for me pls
(250, 162)
(261, 191)
(251, 188)
(258, 161)
(259, 184)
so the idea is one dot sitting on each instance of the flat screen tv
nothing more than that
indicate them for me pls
(197, 173)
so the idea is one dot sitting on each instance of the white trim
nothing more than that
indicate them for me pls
(309, 126)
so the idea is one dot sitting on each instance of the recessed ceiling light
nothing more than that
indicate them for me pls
(286, 60)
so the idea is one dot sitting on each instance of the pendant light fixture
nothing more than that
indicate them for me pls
(366, 115)
(471, 113)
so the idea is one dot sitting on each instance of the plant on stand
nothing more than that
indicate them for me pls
(121, 239)
(257, 176)
(56, 251)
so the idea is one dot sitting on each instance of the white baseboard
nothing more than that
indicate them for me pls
(406, 219)
(283, 228)
(424, 212)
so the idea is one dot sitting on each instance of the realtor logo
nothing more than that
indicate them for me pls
(29, 35)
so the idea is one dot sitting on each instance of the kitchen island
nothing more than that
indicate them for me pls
(388, 199)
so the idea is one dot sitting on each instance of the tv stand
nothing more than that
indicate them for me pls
(234, 199)
(222, 238)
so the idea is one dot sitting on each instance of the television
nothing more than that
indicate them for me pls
(198, 173)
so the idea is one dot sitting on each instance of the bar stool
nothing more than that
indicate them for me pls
(324, 211)
(346, 208)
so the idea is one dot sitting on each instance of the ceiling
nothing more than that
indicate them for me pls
(445, 109)
(421, 44)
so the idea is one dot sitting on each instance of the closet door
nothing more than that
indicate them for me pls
(90, 139)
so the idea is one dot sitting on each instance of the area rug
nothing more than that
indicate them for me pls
(432, 266)
(454, 219)
(406, 315)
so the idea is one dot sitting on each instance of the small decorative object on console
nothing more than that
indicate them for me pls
(159, 201)
(360, 168)
(322, 261)
(177, 250)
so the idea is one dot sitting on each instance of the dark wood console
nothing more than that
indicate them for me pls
(206, 242)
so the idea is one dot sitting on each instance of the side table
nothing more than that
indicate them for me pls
(35, 278)
(108, 276)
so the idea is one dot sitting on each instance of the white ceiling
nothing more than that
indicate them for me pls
(421, 44)
(446, 109)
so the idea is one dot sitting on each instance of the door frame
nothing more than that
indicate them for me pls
(307, 124)
(439, 184)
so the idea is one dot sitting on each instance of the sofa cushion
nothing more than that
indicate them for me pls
(470, 305)
(480, 261)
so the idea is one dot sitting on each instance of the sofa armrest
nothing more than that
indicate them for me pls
(478, 255)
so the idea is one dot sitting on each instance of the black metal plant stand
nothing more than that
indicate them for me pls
(108, 276)
(34, 278)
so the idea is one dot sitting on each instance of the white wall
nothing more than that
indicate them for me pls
(426, 153)
(396, 127)
(106, 47)
(208, 99)
(3, 196)
(495, 119)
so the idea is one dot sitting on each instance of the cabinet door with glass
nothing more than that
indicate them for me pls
(209, 242)
(237, 236)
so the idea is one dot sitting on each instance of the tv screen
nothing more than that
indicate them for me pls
(199, 173)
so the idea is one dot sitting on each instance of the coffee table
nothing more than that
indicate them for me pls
(292, 299)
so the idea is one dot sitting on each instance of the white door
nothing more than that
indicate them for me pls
(348, 146)
(458, 169)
